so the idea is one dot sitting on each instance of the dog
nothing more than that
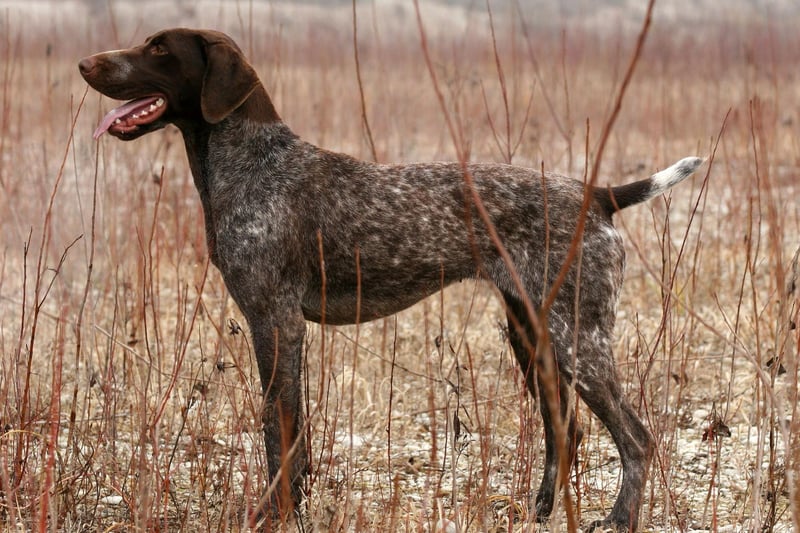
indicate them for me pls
(301, 233)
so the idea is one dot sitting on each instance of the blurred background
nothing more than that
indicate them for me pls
(128, 393)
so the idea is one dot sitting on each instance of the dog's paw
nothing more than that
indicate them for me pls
(607, 526)
(543, 507)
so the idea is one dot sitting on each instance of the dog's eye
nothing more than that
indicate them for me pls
(158, 50)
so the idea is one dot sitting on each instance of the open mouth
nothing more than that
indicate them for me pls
(127, 118)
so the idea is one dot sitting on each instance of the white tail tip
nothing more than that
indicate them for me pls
(676, 173)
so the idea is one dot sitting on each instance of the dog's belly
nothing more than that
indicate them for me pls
(344, 304)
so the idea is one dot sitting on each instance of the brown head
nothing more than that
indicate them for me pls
(180, 76)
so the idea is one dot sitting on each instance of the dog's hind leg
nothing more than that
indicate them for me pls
(598, 386)
(523, 342)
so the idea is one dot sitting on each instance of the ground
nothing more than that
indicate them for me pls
(128, 391)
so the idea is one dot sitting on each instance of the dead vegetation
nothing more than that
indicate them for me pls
(128, 394)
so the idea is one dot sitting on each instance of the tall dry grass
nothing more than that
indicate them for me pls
(128, 392)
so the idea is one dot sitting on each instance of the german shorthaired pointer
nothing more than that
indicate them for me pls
(300, 233)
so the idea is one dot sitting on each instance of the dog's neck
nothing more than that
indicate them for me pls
(258, 107)
(256, 114)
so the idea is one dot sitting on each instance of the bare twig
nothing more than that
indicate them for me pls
(364, 118)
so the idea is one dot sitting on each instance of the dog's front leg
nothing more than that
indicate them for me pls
(278, 340)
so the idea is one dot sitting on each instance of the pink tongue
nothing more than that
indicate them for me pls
(120, 112)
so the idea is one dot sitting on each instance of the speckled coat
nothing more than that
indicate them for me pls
(301, 233)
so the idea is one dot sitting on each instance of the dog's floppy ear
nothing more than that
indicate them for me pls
(228, 81)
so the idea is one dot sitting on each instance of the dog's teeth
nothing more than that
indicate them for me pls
(152, 107)
(118, 121)
(136, 115)
(143, 113)
(160, 102)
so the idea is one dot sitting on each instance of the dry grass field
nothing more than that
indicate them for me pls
(128, 390)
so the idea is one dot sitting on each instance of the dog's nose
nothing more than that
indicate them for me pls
(86, 65)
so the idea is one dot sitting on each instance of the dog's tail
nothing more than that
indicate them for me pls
(615, 198)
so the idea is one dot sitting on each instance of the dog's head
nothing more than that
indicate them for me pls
(176, 75)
